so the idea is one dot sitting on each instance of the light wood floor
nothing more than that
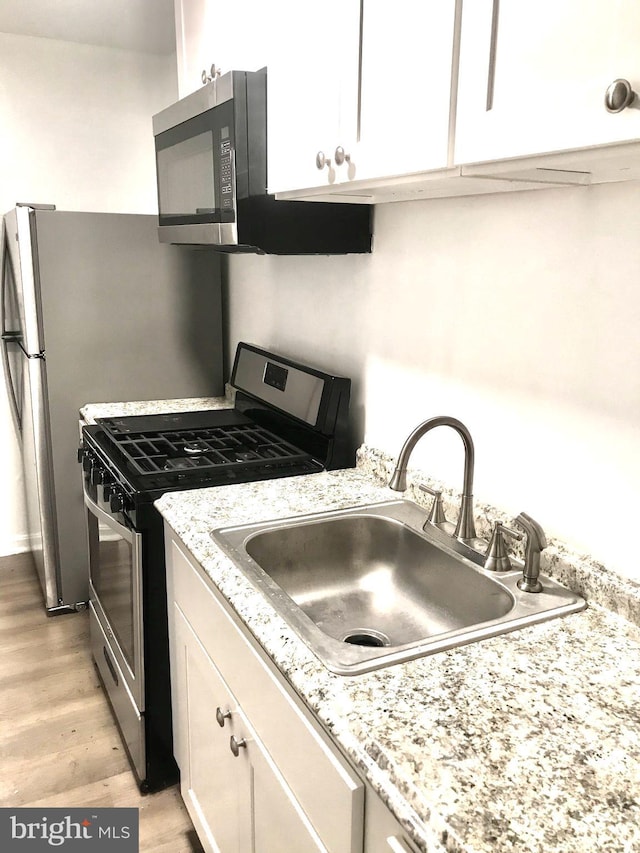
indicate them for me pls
(59, 746)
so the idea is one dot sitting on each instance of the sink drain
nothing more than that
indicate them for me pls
(366, 637)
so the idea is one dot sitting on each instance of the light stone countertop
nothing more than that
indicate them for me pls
(525, 742)
(90, 411)
(528, 742)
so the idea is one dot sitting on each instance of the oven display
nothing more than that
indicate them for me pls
(276, 376)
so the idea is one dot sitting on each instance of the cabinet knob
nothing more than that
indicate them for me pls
(208, 76)
(221, 716)
(341, 157)
(619, 96)
(236, 745)
(322, 161)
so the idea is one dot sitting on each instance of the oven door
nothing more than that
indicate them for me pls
(115, 593)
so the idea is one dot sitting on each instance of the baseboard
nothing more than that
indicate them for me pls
(15, 545)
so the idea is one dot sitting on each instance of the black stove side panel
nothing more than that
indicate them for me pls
(162, 769)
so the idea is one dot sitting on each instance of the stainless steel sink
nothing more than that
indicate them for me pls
(367, 587)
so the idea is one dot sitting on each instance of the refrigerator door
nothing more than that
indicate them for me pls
(38, 478)
(21, 246)
(26, 380)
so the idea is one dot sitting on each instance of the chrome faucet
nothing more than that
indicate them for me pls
(465, 528)
(536, 542)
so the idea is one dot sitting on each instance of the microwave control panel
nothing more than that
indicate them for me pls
(226, 170)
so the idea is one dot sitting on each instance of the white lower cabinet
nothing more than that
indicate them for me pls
(288, 788)
(215, 785)
(258, 774)
(235, 794)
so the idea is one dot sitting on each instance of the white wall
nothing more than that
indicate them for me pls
(76, 124)
(518, 314)
(76, 132)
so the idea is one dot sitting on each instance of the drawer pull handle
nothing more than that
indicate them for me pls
(221, 716)
(236, 745)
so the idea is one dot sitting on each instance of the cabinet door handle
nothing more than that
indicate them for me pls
(322, 161)
(493, 49)
(341, 157)
(207, 77)
(619, 96)
(221, 716)
(236, 745)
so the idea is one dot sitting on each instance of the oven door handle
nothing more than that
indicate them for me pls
(109, 520)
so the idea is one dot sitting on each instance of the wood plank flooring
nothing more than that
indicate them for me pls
(59, 745)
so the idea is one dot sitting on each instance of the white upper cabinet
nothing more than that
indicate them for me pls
(225, 35)
(359, 91)
(407, 58)
(370, 101)
(312, 86)
(533, 76)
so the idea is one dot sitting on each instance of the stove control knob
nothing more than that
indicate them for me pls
(108, 485)
(96, 477)
(116, 500)
(88, 460)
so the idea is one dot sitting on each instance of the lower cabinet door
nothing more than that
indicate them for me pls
(237, 798)
(215, 784)
(279, 824)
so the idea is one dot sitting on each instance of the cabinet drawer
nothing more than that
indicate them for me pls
(330, 794)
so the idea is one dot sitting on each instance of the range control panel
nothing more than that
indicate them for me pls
(292, 388)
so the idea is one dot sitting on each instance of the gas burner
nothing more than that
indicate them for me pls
(245, 455)
(185, 463)
(195, 447)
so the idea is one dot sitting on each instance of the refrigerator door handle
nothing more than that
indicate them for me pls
(8, 336)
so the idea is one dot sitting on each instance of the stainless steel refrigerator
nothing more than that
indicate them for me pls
(94, 309)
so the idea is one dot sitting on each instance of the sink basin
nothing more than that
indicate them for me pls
(367, 587)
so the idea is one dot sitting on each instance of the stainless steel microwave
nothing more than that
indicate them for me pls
(211, 166)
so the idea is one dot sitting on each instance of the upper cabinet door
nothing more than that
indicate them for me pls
(407, 60)
(533, 76)
(229, 36)
(364, 88)
(312, 85)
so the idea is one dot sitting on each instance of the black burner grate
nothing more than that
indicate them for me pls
(231, 447)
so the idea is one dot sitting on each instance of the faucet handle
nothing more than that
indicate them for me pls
(436, 515)
(497, 556)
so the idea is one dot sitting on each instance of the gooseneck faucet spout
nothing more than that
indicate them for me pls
(465, 527)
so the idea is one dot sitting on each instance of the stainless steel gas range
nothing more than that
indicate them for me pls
(288, 420)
